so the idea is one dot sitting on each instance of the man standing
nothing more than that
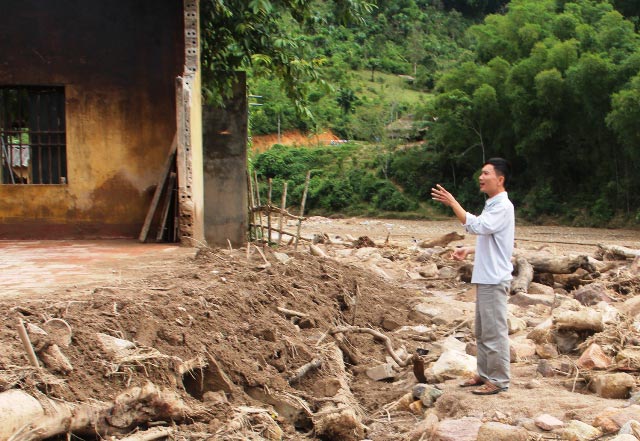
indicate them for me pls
(495, 228)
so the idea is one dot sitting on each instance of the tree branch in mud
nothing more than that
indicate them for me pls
(133, 407)
(549, 263)
(379, 335)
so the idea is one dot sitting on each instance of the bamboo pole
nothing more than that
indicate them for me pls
(304, 200)
(255, 176)
(283, 206)
(269, 183)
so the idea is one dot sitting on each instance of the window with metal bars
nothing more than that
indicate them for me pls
(32, 135)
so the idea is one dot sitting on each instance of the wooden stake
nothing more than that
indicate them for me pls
(304, 200)
(168, 165)
(269, 211)
(166, 206)
(252, 205)
(255, 176)
(283, 207)
(26, 343)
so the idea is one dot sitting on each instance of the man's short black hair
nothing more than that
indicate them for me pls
(502, 168)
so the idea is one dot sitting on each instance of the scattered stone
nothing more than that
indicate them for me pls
(447, 272)
(616, 385)
(424, 428)
(515, 324)
(578, 431)
(533, 384)
(454, 361)
(609, 313)
(316, 251)
(381, 372)
(538, 288)
(282, 257)
(624, 437)
(548, 422)
(522, 299)
(429, 270)
(631, 427)
(613, 419)
(630, 307)
(429, 396)
(591, 294)
(547, 351)
(215, 397)
(494, 431)
(465, 429)
(566, 340)
(416, 407)
(545, 369)
(307, 323)
(390, 324)
(542, 332)
(594, 358)
(522, 348)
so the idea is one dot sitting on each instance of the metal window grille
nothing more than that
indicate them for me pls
(32, 135)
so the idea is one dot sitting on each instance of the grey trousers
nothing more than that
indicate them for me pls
(492, 333)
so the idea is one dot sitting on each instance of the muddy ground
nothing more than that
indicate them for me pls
(249, 322)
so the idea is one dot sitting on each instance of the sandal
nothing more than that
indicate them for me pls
(472, 382)
(488, 389)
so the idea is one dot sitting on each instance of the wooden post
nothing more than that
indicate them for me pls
(252, 204)
(269, 211)
(255, 176)
(168, 165)
(26, 343)
(304, 200)
(165, 209)
(283, 206)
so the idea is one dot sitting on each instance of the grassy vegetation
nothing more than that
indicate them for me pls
(387, 87)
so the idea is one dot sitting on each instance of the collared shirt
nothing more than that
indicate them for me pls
(495, 228)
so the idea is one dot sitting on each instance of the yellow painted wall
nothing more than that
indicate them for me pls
(117, 62)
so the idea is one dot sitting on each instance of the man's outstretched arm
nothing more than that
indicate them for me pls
(440, 194)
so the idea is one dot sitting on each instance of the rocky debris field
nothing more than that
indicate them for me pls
(362, 332)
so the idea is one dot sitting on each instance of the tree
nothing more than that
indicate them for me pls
(237, 34)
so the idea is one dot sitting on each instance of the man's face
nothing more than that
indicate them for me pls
(490, 182)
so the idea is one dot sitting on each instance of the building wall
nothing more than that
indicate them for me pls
(117, 61)
(225, 167)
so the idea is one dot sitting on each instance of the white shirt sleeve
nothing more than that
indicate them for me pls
(492, 220)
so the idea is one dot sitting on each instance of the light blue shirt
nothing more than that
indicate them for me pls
(495, 228)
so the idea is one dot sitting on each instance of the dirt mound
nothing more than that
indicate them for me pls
(262, 143)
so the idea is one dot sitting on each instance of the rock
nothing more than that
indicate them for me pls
(546, 351)
(542, 332)
(494, 431)
(390, 324)
(591, 294)
(515, 324)
(428, 271)
(417, 408)
(433, 314)
(465, 429)
(594, 358)
(533, 384)
(538, 288)
(427, 394)
(307, 323)
(281, 257)
(522, 348)
(316, 251)
(381, 372)
(616, 385)
(55, 360)
(522, 299)
(566, 341)
(447, 272)
(404, 402)
(631, 427)
(630, 307)
(545, 369)
(578, 431)
(454, 361)
(613, 419)
(116, 347)
(548, 422)
(624, 438)
(609, 313)
(424, 428)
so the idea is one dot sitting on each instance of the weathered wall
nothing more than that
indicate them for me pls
(225, 164)
(118, 62)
